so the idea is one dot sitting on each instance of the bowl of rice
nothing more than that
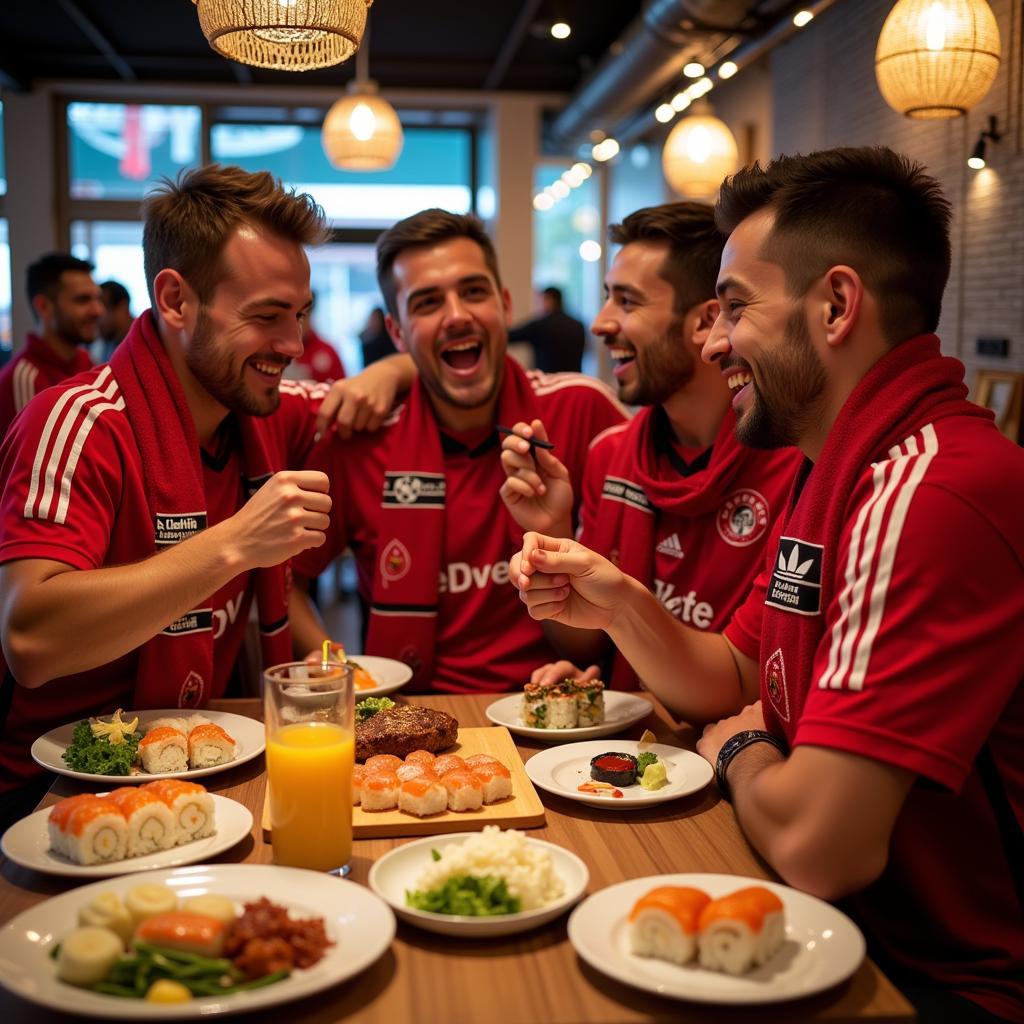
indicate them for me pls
(542, 879)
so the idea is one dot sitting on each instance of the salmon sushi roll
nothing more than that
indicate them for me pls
(414, 771)
(164, 750)
(209, 745)
(96, 833)
(476, 759)
(447, 763)
(422, 796)
(149, 819)
(665, 923)
(380, 791)
(496, 779)
(383, 762)
(465, 790)
(191, 807)
(358, 774)
(57, 823)
(420, 757)
(741, 930)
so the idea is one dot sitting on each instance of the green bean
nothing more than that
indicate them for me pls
(108, 988)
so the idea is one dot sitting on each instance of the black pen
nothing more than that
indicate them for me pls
(533, 442)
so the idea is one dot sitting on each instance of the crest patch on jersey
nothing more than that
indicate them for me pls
(395, 561)
(795, 585)
(743, 518)
(191, 694)
(174, 527)
(413, 490)
(775, 684)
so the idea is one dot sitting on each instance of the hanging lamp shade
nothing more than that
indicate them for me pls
(361, 131)
(937, 59)
(285, 35)
(699, 152)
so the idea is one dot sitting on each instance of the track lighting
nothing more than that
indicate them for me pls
(976, 161)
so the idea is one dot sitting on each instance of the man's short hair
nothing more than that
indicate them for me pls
(114, 294)
(428, 227)
(554, 294)
(188, 222)
(870, 208)
(694, 247)
(43, 276)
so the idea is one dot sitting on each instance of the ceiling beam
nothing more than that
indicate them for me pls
(242, 72)
(89, 29)
(13, 75)
(511, 45)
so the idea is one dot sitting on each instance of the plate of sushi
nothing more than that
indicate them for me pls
(134, 828)
(568, 710)
(479, 884)
(376, 676)
(142, 746)
(193, 942)
(621, 775)
(716, 938)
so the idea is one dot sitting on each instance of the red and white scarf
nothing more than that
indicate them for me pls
(912, 386)
(176, 666)
(411, 529)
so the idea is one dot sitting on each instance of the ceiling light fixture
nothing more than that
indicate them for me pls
(664, 113)
(802, 18)
(699, 152)
(976, 161)
(605, 150)
(694, 69)
(561, 30)
(728, 69)
(937, 59)
(285, 35)
(362, 132)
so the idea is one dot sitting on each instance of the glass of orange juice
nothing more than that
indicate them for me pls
(309, 714)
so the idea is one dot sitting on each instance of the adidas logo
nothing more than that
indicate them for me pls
(671, 546)
(793, 569)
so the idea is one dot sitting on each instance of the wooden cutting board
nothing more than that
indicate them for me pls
(522, 809)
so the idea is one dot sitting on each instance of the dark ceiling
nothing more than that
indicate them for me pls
(436, 44)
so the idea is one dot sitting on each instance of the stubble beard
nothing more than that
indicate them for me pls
(661, 369)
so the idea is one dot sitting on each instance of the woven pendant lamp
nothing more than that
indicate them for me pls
(361, 131)
(285, 35)
(937, 59)
(699, 152)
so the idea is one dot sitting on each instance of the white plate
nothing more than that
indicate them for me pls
(823, 946)
(391, 675)
(359, 923)
(560, 770)
(27, 843)
(400, 869)
(621, 710)
(246, 732)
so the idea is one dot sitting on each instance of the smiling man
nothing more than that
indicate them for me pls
(418, 503)
(870, 689)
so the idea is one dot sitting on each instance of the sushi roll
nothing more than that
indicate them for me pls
(414, 771)
(447, 763)
(420, 757)
(563, 709)
(590, 703)
(164, 750)
(664, 923)
(358, 774)
(533, 711)
(422, 796)
(380, 791)
(191, 807)
(741, 930)
(383, 762)
(208, 745)
(496, 779)
(57, 823)
(149, 819)
(177, 724)
(477, 759)
(465, 790)
(96, 833)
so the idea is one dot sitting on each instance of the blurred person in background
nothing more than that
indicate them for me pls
(116, 320)
(375, 339)
(557, 338)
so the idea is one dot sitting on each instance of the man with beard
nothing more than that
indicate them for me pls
(67, 307)
(416, 502)
(870, 688)
(148, 503)
(671, 497)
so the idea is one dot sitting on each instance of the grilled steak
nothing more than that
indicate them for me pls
(401, 730)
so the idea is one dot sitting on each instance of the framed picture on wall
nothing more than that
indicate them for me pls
(1002, 392)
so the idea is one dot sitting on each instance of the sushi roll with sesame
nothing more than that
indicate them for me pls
(164, 750)
(563, 708)
(477, 759)
(380, 791)
(741, 930)
(209, 745)
(414, 771)
(465, 790)
(665, 923)
(533, 711)
(447, 763)
(422, 796)
(96, 833)
(191, 807)
(497, 780)
(424, 757)
(149, 819)
(590, 703)
(383, 762)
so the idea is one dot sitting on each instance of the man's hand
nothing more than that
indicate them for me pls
(536, 491)
(715, 735)
(288, 514)
(561, 580)
(362, 402)
(556, 671)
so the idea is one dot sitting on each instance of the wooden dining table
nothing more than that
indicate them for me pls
(532, 977)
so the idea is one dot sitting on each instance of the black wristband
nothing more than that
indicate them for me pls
(733, 745)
